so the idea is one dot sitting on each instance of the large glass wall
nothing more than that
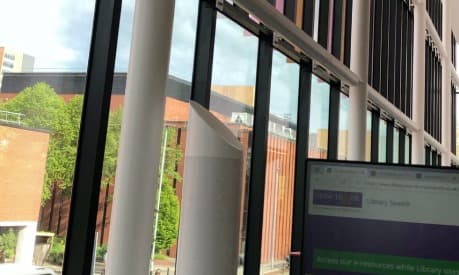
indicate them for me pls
(44, 48)
(280, 166)
(318, 126)
(232, 96)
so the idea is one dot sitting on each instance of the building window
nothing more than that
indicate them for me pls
(8, 64)
(10, 56)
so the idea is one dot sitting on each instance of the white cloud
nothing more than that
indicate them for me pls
(40, 28)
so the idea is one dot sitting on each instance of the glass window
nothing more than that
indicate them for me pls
(280, 164)
(368, 138)
(233, 93)
(343, 127)
(39, 122)
(167, 207)
(318, 124)
(382, 140)
(396, 145)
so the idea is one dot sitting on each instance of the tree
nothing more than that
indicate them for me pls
(44, 109)
(63, 147)
(168, 220)
(40, 105)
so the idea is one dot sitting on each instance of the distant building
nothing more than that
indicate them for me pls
(14, 61)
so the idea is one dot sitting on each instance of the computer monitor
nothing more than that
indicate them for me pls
(363, 218)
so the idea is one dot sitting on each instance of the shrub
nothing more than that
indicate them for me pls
(56, 253)
(101, 251)
(8, 244)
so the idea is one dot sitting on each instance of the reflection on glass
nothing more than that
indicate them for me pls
(382, 140)
(278, 207)
(233, 93)
(368, 138)
(343, 127)
(39, 123)
(396, 145)
(318, 124)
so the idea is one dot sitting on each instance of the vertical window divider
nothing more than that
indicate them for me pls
(259, 155)
(390, 142)
(204, 52)
(401, 146)
(78, 257)
(374, 136)
(333, 120)
(302, 146)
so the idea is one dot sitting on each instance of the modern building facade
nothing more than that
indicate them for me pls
(14, 61)
(337, 79)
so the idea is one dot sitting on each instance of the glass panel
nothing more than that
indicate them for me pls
(167, 206)
(318, 128)
(280, 164)
(343, 126)
(368, 138)
(44, 51)
(396, 145)
(382, 140)
(233, 94)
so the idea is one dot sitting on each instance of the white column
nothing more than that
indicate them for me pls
(130, 242)
(446, 85)
(358, 94)
(418, 152)
(25, 244)
(208, 242)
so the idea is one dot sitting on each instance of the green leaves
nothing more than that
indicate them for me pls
(8, 244)
(168, 220)
(44, 109)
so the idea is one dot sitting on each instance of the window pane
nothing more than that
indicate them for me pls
(44, 54)
(382, 140)
(280, 164)
(233, 93)
(396, 144)
(368, 138)
(343, 126)
(318, 124)
(178, 91)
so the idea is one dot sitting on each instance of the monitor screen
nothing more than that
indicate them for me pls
(363, 218)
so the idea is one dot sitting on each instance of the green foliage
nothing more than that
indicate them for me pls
(44, 109)
(168, 220)
(101, 251)
(159, 256)
(8, 244)
(56, 253)
(40, 104)
(111, 146)
(63, 147)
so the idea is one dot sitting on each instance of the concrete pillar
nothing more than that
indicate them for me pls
(446, 85)
(208, 241)
(358, 94)
(418, 81)
(25, 243)
(130, 242)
